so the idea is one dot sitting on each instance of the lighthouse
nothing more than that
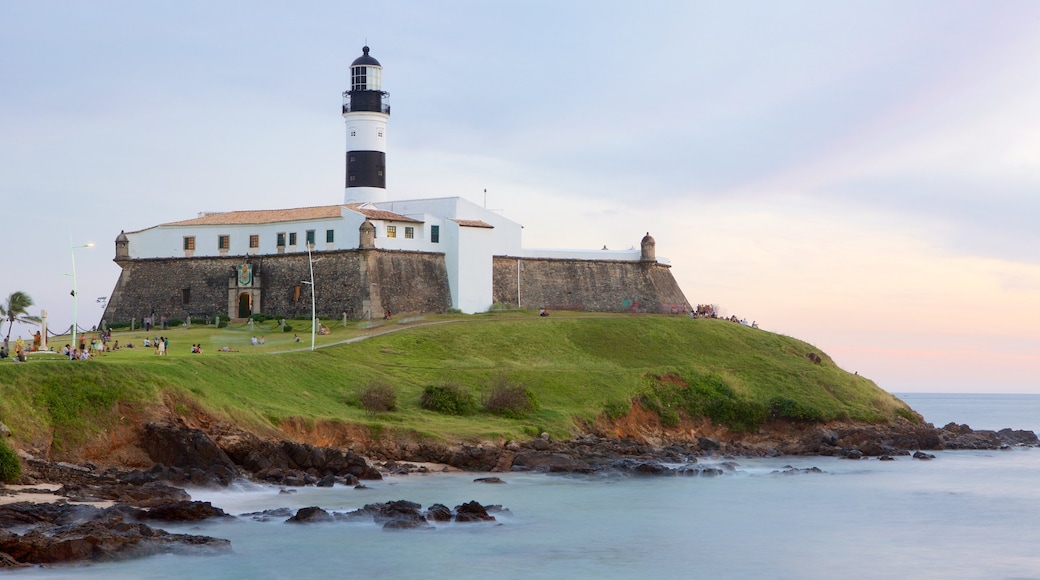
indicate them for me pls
(366, 109)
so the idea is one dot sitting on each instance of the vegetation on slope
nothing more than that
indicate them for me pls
(572, 367)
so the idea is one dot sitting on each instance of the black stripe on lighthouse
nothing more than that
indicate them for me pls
(366, 169)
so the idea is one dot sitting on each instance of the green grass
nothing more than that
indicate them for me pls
(577, 366)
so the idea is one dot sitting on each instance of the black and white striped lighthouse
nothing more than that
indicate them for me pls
(366, 109)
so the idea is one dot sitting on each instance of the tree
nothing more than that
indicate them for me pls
(17, 310)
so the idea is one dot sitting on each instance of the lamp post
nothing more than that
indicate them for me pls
(75, 296)
(314, 317)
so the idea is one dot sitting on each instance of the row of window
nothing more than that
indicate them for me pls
(224, 240)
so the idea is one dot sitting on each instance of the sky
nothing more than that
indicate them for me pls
(862, 175)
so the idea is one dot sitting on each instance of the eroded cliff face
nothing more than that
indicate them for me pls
(176, 440)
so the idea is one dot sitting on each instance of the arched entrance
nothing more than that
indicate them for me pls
(245, 305)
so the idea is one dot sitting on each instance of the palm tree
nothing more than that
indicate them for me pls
(16, 310)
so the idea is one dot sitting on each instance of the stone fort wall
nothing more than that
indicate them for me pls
(365, 283)
(596, 286)
(360, 283)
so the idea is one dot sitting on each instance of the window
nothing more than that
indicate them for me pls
(391, 231)
(189, 242)
(223, 242)
(310, 237)
(353, 133)
(292, 238)
(353, 159)
(281, 240)
(296, 293)
(330, 236)
(380, 132)
(409, 232)
(435, 234)
(254, 241)
(353, 178)
(185, 295)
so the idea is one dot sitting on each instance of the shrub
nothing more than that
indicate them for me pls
(378, 397)
(287, 328)
(450, 398)
(10, 466)
(784, 408)
(501, 307)
(508, 399)
(616, 409)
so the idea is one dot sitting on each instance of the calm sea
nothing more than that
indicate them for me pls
(962, 515)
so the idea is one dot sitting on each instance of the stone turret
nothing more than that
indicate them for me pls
(367, 234)
(648, 249)
(122, 247)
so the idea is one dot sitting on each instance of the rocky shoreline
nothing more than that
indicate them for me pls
(84, 512)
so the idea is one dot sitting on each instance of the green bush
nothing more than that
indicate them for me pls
(450, 398)
(616, 409)
(706, 395)
(508, 398)
(287, 328)
(10, 466)
(784, 408)
(378, 397)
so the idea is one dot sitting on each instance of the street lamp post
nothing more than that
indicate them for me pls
(75, 296)
(314, 318)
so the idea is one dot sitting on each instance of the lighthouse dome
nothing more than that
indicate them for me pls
(365, 59)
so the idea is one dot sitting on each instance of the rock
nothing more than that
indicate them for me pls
(183, 447)
(472, 512)
(438, 512)
(6, 561)
(488, 480)
(105, 539)
(923, 456)
(551, 462)
(4, 430)
(147, 495)
(708, 444)
(408, 523)
(539, 445)
(269, 514)
(852, 454)
(310, 515)
(327, 481)
(185, 511)
(886, 458)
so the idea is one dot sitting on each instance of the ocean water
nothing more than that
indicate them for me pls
(965, 514)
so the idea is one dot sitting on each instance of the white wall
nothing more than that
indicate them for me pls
(166, 241)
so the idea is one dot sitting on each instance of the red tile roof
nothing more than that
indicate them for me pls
(474, 224)
(262, 216)
(381, 214)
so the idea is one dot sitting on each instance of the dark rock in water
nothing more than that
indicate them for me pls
(310, 515)
(327, 481)
(147, 495)
(708, 444)
(438, 512)
(551, 462)
(923, 456)
(886, 458)
(1018, 437)
(268, 515)
(788, 470)
(852, 454)
(711, 472)
(185, 511)
(66, 533)
(184, 447)
(488, 480)
(472, 512)
(408, 523)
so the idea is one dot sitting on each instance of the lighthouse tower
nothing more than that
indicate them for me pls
(366, 109)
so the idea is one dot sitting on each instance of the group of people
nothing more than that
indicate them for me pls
(160, 343)
(255, 340)
(196, 349)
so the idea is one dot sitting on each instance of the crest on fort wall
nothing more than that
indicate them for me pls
(245, 274)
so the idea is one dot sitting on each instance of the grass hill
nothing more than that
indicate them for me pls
(574, 368)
